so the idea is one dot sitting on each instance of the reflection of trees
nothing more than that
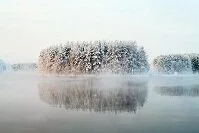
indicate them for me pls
(89, 95)
(178, 90)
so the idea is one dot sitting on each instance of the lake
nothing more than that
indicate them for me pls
(33, 103)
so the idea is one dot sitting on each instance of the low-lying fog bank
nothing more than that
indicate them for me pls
(151, 79)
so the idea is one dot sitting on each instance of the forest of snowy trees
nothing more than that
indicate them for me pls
(94, 57)
(116, 57)
(180, 63)
(24, 67)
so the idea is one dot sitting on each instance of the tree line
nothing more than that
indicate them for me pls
(94, 57)
(118, 57)
(180, 63)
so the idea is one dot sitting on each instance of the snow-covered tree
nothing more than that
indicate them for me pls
(142, 62)
(194, 62)
(94, 57)
(3, 66)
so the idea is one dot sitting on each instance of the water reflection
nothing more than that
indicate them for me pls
(94, 95)
(192, 90)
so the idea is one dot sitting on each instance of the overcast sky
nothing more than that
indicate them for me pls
(161, 26)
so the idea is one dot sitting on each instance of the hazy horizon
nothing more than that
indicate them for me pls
(161, 26)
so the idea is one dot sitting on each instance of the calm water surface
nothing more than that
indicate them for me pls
(31, 103)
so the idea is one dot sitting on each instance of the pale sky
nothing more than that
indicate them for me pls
(161, 26)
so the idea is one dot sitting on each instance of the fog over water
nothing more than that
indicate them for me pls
(34, 103)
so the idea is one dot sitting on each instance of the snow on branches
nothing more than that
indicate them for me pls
(178, 63)
(94, 57)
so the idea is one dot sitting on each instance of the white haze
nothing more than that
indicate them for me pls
(162, 27)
